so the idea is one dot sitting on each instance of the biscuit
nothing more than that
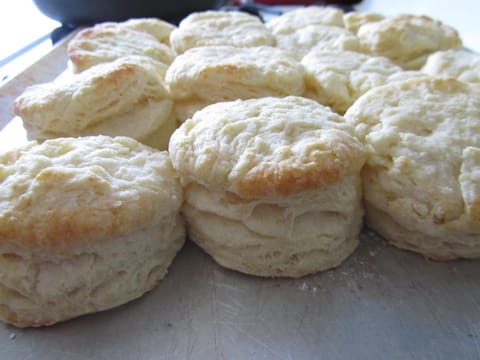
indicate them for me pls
(125, 97)
(106, 42)
(461, 64)
(421, 182)
(407, 40)
(86, 224)
(354, 20)
(217, 73)
(316, 37)
(298, 18)
(271, 185)
(213, 28)
(157, 28)
(337, 78)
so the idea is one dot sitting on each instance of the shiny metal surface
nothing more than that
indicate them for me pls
(382, 303)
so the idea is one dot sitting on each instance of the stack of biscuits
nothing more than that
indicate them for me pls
(269, 144)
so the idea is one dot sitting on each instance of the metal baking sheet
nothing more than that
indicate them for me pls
(381, 303)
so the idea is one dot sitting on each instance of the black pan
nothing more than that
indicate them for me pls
(86, 12)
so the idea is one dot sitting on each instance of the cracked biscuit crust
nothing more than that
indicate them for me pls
(338, 78)
(407, 40)
(214, 28)
(68, 190)
(461, 64)
(110, 41)
(268, 146)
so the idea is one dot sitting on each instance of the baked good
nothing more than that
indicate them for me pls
(421, 179)
(86, 224)
(271, 185)
(300, 41)
(303, 16)
(313, 27)
(407, 40)
(209, 74)
(354, 20)
(106, 42)
(157, 28)
(338, 78)
(461, 64)
(124, 97)
(213, 28)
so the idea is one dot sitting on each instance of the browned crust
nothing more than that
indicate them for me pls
(341, 156)
(65, 203)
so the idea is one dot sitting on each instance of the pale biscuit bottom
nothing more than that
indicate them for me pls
(44, 287)
(151, 124)
(440, 247)
(288, 236)
(270, 257)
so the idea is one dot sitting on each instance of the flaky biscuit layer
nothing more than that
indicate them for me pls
(107, 42)
(288, 236)
(125, 97)
(218, 73)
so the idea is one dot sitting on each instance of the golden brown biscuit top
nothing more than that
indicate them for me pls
(107, 42)
(268, 146)
(83, 189)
